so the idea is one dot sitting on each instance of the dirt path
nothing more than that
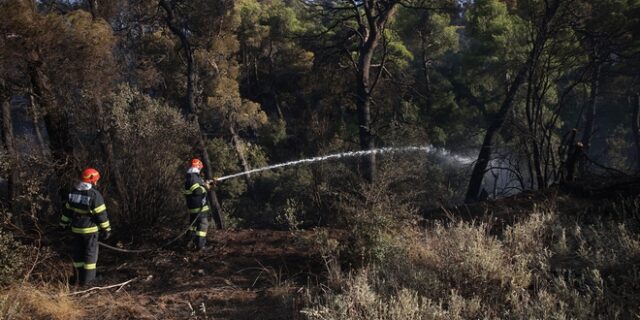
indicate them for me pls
(250, 274)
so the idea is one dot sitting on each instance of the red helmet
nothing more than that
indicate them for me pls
(90, 175)
(196, 163)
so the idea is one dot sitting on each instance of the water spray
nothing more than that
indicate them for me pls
(438, 152)
(462, 160)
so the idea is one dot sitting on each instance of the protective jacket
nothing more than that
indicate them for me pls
(195, 193)
(85, 210)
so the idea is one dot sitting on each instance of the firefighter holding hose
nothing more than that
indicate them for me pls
(195, 192)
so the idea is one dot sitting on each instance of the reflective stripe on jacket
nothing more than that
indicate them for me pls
(195, 193)
(85, 210)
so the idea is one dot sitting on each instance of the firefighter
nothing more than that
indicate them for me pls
(195, 192)
(86, 212)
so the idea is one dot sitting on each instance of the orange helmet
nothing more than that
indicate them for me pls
(196, 163)
(90, 175)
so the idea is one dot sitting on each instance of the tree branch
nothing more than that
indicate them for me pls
(120, 285)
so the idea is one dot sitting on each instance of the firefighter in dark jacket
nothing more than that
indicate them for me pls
(86, 212)
(195, 192)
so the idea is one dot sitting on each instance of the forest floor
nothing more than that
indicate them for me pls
(248, 274)
(267, 274)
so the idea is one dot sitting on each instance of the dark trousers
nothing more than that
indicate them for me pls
(85, 256)
(198, 231)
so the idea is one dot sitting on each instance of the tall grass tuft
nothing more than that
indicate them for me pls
(42, 302)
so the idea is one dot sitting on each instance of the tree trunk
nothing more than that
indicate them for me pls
(537, 163)
(566, 154)
(213, 197)
(190, 105)
(363, 104)
(426, 65)
(366, 137)
(237, 144)
(55, 118)
(35, 119)
(93, 8)
(635, 123)
(56, 123)
(377, 13)
(475, 182)
(427, 84)
(592, 108)
(534, 162)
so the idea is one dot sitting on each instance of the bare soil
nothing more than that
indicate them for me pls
(248, 274)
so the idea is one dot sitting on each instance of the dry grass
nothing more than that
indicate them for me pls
(44, 302)
(51, 302)
(106, 305)
(549, 265)
(55, 300)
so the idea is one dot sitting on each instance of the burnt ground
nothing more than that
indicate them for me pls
(248, 274)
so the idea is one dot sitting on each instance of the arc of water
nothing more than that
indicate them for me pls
(428, 149)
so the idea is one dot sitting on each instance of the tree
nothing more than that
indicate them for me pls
(272, 62)
(605, 32)
(365, 21)
(175, 24)
(434, 42)
(544, 19)
(61, 60)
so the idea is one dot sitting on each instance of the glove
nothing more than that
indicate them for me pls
(211, 184)
(105, 234)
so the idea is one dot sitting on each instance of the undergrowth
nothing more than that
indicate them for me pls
(549, 265)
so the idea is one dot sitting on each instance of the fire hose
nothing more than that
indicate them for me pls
(154, 249)
(208, 183)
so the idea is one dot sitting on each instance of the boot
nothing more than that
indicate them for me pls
(201, 243)
(89, 277)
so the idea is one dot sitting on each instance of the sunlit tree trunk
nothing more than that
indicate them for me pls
(35, 120)
(237, 144)
(363, 104)
(376, 15)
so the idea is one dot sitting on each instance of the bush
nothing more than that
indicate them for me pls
(377, 220)
(150, 165)
(547, 266)
(12, 259)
